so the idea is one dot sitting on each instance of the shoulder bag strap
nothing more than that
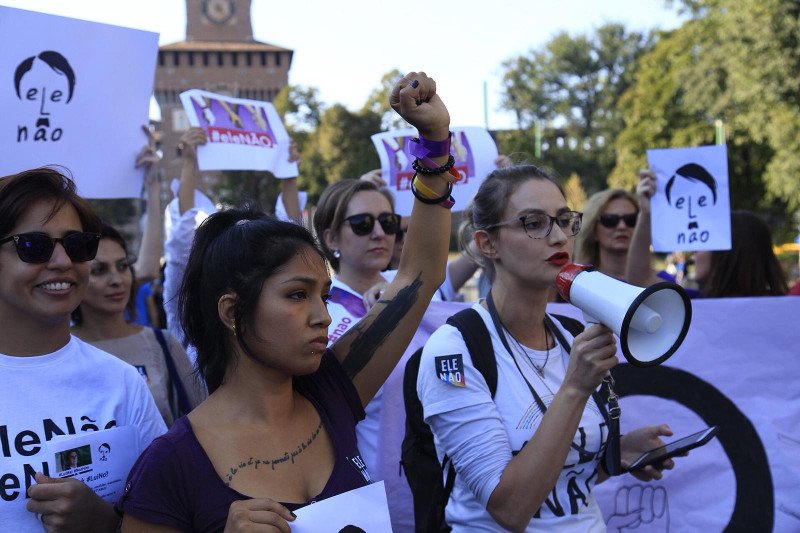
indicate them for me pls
(175, 380)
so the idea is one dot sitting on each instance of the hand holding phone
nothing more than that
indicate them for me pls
(656, 456)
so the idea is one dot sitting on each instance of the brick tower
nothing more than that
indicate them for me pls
(219, 55)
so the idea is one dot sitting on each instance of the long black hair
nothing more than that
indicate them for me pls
(234, 251)
(750, 267)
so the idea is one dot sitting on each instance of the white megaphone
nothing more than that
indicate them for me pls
(651, 322)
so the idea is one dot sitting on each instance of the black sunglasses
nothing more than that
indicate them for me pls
(37, 247)
(610, 220)
(363, 223)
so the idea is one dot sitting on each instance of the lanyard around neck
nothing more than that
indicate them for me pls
(498, 326)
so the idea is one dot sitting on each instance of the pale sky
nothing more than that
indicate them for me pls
(344, 47)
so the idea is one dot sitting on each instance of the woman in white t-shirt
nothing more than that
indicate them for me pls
(358, 229)
(53, 383)
(520, 466)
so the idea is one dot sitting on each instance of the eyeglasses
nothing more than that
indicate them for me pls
(363, 223)
(610, 220)
(37, 247)
(538, 225)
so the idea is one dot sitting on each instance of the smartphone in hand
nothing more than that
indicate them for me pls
(656, 456)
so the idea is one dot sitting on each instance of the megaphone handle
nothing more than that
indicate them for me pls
(589, 319)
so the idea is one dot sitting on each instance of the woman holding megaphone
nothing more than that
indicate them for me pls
(527, 455)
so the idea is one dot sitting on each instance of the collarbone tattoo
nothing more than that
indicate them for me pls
(287, 457)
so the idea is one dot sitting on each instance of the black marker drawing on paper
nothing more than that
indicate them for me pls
(688, 190)
(45, 82)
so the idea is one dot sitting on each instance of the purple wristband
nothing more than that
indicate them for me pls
(423, 149)
(436, 148)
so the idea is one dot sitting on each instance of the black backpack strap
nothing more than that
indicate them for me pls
(574, 326)
(479, 344)
(604, 397)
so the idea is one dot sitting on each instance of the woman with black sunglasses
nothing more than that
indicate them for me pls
(357, 227)
(54, 383)
(609, 218)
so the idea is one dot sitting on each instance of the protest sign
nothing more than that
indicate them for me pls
(362, 510)
(735, 373)
(242, 134)
(75, 93)
(691, 207)
(101, 459)
(474, 152)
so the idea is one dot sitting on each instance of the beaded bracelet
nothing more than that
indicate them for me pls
(426, 195)
(425, 171)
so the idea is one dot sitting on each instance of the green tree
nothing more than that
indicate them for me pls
(299, 107)
(574, 83)
(339, 148)
(734, 61)
(378, 102)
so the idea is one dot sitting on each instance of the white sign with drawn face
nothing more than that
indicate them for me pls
(75, 93)
(691, 208)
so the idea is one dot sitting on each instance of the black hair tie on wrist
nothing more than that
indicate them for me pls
(421, 169)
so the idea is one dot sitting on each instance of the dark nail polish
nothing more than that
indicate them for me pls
(293, 515)
(415, 84)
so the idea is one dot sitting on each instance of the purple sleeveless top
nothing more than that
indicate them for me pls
(174, 484)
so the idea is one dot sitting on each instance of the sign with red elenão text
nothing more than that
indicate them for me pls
(242, 134)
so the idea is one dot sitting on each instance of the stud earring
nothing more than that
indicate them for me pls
(337, 254)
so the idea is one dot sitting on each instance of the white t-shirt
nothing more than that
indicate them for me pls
(76, 389)
(180, 230)
(379, 445)
(481, 435)
(346, 309)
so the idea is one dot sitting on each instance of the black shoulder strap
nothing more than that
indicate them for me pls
(575, 327)
(177, 384)
(479, 344)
